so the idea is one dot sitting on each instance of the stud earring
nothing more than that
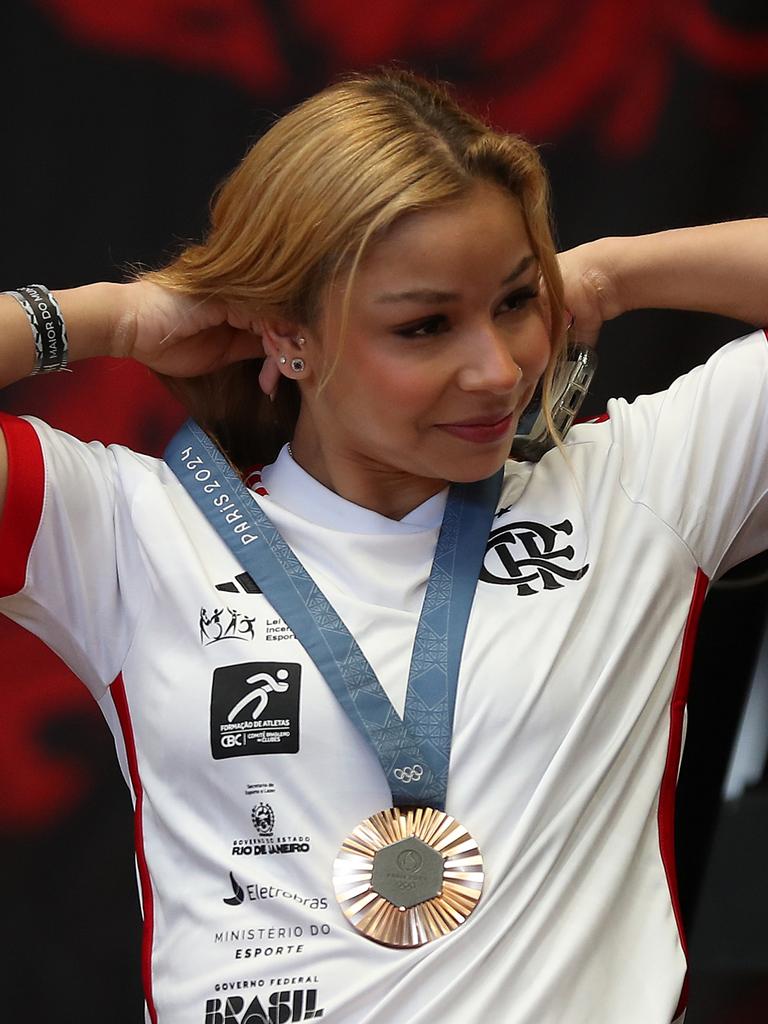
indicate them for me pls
(283, 360)
(300, 340)
(297, 365)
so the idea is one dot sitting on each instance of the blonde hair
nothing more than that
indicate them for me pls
(306, 202)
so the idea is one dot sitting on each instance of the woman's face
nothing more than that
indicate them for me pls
(445, 343)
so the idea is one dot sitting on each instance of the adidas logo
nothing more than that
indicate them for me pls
(242, 584)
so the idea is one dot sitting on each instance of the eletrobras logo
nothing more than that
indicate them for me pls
(255, 891)
(285, 1006)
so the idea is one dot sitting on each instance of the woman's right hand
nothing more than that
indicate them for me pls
(178, 335)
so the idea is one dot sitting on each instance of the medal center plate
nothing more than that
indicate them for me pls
(407, 873)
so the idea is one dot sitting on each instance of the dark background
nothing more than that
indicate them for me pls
(119, 121)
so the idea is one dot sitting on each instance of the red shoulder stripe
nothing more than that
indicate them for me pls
(23, 501)
(666, 820)
(147, 900)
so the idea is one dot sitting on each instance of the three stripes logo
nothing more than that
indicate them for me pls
(242, 584)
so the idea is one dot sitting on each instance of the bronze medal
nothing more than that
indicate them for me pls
(406, 876)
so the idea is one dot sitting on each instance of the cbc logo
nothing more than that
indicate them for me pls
(411, 773)
(233, 740)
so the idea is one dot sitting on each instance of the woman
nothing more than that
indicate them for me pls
(381, 263)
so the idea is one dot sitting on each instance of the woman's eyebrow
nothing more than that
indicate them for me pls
(432, 295)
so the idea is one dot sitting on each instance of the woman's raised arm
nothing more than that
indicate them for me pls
(169, 332)
(88, 312)
(715, 268)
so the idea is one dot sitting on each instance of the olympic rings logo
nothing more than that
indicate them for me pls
(411, 773)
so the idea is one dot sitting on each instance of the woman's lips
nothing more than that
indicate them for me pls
(480, 433)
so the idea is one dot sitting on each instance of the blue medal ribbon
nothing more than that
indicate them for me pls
(414, 751)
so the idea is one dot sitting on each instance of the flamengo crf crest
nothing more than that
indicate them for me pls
(531, 557)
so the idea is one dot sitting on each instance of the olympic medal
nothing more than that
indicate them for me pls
(406, 876)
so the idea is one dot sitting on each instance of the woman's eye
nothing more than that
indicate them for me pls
(423, 328)
(433, 325)
(517, 300)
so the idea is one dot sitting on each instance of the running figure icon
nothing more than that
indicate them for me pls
(271, 684)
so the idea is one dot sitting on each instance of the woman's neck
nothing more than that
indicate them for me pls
(390, 492)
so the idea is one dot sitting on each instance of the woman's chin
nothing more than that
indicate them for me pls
(478, 467)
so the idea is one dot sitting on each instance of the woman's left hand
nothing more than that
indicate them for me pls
(590, 289)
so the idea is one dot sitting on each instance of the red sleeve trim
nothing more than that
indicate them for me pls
(23, 502)
(147, 901)
(669, 779)
(602, 418)
(252, 480)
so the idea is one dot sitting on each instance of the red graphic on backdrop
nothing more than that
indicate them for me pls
(541, 68)
(232, 38)
(41, 784)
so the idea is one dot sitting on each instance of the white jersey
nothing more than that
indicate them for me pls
(247, 775)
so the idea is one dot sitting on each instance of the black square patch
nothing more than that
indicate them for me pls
(255, 709)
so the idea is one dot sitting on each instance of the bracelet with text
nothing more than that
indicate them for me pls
(48, 327)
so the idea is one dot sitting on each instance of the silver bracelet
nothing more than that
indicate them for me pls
(48, 327)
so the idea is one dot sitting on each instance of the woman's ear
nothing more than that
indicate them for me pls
(283, 345)
(279, 338)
